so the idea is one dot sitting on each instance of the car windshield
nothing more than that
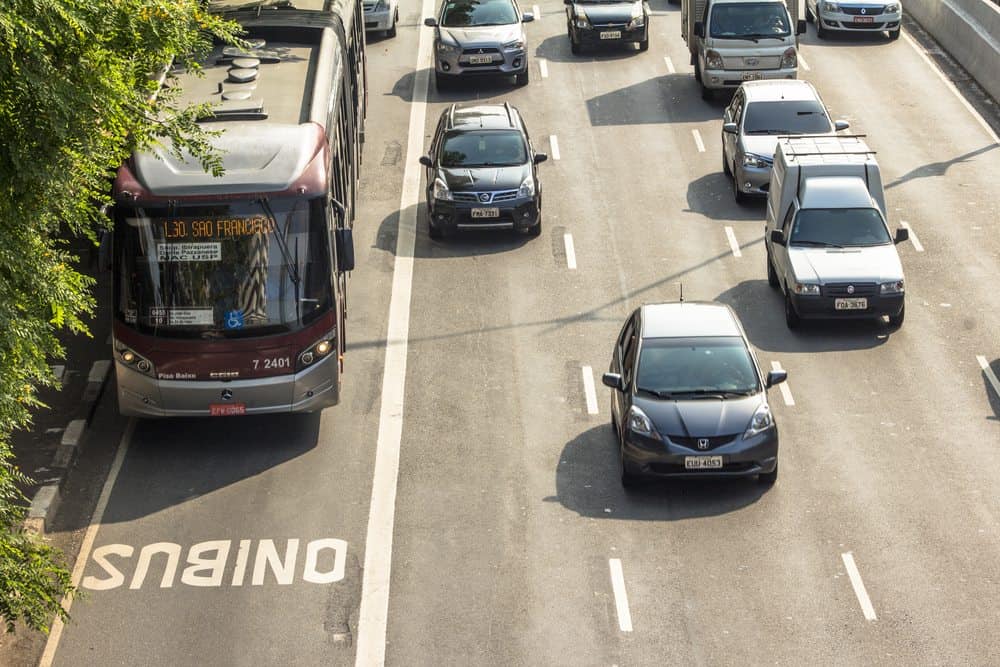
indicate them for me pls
(839, 227)
(696, 366)
(471, 13)
(486, 148)
(222, 270)
(787, 117)
(755, 20)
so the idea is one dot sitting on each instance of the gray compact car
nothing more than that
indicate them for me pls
(760, 112)
(855, 16)
(479, 37)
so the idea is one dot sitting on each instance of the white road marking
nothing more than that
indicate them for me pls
(49, 654)
(670, 65)
(374, 612)
(543, 67)
(536, 11)
(570, 252)
(859, 586)
(732, 242)
(555, 146)
(988, 372)
(913, 236)
(697, 141)
(621, 598)
(786, 393)
(951, 87)
(588, 390)
(802, 61)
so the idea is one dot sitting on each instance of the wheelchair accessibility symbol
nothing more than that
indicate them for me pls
(234, 319)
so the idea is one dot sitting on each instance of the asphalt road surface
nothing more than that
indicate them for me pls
(509, 540)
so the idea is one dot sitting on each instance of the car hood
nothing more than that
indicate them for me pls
(619, 12)
(484, 178)
(833, 265)
(705, 418)
(485, 36)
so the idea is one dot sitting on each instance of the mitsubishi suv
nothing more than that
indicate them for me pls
(482, 172)
(476, 37)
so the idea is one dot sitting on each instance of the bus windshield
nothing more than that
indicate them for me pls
(222, 270)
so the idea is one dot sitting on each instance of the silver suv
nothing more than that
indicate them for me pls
(476, 37)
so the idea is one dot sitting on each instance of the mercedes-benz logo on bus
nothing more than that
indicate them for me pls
(484, 197)
(850, 289)
(227, 394)
(702, 443)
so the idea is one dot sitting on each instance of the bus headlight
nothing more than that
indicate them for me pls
(317, 350)
(134, 360)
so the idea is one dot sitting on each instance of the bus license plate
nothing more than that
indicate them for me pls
(752, 76)
(480, 60)
(227, 409)
(611, 34)
(700, 462)
(864, 19)
(850, 304)
(485, 213)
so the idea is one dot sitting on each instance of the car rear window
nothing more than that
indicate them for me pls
(489, 148)
(708, 364)
(786, 117)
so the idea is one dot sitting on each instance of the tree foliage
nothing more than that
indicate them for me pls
(79, 90)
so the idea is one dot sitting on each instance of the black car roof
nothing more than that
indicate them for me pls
(685, 319)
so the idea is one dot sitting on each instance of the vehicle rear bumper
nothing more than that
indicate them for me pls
(742, 458)
(823, 307)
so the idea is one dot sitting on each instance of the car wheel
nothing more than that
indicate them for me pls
(897, 320)
(391, 32)
(737, 193)
(522, 78)
(536, 230)
(894, 34)
(821, 32)
(574, 45)
(442, 81)
(772, 275)
(707, 94)
(769, 478)
(791, 317)
(629, 479)
(725, 165)
(644, 44)
(435, 232)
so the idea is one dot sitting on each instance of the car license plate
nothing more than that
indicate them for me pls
(699, 462)
(485, 213)
(480, 60)
(752, 76)
(611, 34)
(850, 304)
(864, 19)
(227, 409)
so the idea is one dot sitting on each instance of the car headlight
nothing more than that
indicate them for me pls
(134, 360)
(527, 188)
(441, 190)
(831, 7)
(447, 49)
(752, 160)
(318, 350)
(895, 287)
(516, 44)
(760, 422)
(713, 60)
(581, 20)
(638, 18)
(891, 9)
(788, 58)
(639, 423)
(807, 289)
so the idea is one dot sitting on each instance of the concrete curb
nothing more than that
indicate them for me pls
(46, 501)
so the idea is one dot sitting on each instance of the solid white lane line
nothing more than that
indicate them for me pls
(913, 236)
(802, 61)
(374, 612)
(543, 67)
(670, 65)
(732, 242)
(697, 141)
(49, 654)
(536, 11)
(588, 390)
(859, 586)
(786, 393)
(988, 372)
(555, 146)
(951, 87)
(621, 598)
(570, 251)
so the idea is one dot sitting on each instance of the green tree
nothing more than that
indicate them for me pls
(79, 91)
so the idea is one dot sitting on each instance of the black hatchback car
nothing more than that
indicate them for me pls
(689, 399)
(595, 22)
(482, 172)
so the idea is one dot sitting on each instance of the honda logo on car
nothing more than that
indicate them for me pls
(702, 443)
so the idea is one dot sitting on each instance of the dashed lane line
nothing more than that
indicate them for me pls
(697, 141)
(588, 390)
(570, 251)
(543, 67)
(913, 236)
(732, 242)
(988, 372)
(554, 142)
(786, 392)
(621, 597)
(859, 586)
(670, 65)
(802, 61)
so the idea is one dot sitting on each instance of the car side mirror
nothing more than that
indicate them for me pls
(775, 377)
(699, 29)
(902, 234)
(430, 23)
(344, 238)
(839, 125)
(800, 27)
(527, 17)
(730, 128)
(426, 161)
(540, 158)
(777, 236)
(613, 380)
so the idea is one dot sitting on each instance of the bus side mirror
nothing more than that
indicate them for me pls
(344, 238)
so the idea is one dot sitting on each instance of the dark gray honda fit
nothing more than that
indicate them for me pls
(688, 397)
